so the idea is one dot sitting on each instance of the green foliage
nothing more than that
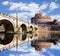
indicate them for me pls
(31, 31)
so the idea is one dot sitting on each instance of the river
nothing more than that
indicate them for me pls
(44, 44)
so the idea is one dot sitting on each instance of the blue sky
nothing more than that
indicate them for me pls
(28, 8)
(27, 50)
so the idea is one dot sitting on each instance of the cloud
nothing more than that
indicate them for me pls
(55, 17)
(55, 46)
(44, 13)
(26, 7)
(53, 6)
(43, 6)
(30, 51)
(5, 2)
(29, 9)
(23, 16)
(27, 50)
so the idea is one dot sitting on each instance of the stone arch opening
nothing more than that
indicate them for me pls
(24, 36)
(7, 25)
(6, 38)
(24, 28)
(31, 27)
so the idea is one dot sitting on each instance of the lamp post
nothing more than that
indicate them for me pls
(16, 30)
(16, 20)
(28, 24)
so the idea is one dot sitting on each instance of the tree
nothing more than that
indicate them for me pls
(55, 21)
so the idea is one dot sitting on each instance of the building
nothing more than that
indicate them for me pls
(45, 22)
(40, 18)
(40, 46)
(42, 43)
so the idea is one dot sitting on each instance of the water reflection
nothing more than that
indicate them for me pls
(6, 38)
(38, 41)
(29, 44)
(45, 41)
(24, 36)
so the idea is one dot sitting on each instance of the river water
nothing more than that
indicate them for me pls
(44, 44)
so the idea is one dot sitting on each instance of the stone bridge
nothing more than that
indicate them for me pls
(9, 23)
(12, 24)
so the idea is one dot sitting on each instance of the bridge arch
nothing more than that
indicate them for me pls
(24, 27)
(7, 25)
(24, 36)
(6, 37)
(31, 27)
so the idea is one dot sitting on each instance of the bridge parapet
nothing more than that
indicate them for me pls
(13, 21)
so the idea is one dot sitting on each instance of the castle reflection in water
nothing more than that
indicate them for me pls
(39, 42)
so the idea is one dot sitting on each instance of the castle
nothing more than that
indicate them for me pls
(40, 18)
(45, 22)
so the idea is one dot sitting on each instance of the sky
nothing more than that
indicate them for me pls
(26, 9)
(27, 50)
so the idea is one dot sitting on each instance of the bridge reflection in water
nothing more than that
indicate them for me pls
(6, 38)
(39, 42)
